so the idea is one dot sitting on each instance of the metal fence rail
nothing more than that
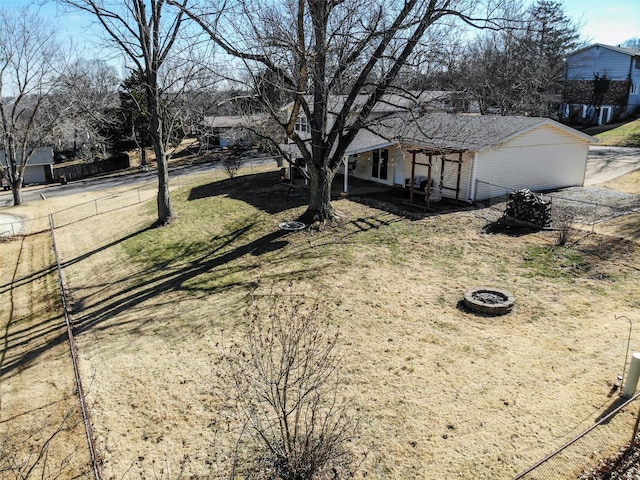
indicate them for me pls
(603, 440)
(81, 211)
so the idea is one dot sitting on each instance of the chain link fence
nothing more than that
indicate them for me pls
(593, 453)
(12, 225)
(583, 205)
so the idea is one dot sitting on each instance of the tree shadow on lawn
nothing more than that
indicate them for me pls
(151, 284)
(268, 193)
(265, 191)
(159, 279)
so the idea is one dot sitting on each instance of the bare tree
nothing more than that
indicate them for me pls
(89, 89)
(29, 57)
(145, 32)
(287, 394)
(632, 43)
(519, 69)
(311, 50)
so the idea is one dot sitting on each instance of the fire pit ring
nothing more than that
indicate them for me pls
(489, 301)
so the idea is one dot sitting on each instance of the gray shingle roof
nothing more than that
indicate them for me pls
(616, 48)
(442, 131)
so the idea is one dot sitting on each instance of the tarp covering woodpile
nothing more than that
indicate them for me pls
(526, 207)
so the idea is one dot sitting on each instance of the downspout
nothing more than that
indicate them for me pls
(630, 86)
(471, 187)
(345, 187)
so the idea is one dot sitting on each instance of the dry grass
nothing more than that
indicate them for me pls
(38, 409)
(441, 393)
(626, 135)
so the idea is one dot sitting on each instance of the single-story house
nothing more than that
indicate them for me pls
(468, 157)
(225, 131)
(39, 168)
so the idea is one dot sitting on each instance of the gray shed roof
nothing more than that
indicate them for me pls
(442, 131)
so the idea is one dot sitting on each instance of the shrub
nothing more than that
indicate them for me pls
(287, 394)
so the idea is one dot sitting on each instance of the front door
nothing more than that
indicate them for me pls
(380, 164)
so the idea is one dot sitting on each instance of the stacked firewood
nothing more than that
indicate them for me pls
(524, 206)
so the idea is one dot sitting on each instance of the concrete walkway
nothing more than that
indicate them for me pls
(607, 163)
(9, 225)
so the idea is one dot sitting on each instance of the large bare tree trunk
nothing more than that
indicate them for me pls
(320, 208)
(165, 212)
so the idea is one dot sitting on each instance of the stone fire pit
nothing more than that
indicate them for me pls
(489, 301)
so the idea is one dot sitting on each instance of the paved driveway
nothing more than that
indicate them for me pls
(606, 163)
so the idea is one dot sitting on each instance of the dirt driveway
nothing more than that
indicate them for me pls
(606, 163)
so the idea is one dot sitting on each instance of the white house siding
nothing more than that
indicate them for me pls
(399, 167)
(542, 159)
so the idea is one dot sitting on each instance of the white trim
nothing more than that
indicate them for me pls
(369, 148)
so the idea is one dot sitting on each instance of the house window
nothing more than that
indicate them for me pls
(634, 89)
(301, 125)
(637, 63)
(380, 164)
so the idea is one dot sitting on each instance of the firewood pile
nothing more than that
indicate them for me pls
(526, 207)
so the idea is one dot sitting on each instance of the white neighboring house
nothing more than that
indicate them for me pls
(468, 157)
(39, 168)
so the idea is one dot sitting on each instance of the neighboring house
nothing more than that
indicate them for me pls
(223, 131)
(468, 157)
(602, 84)
(39, 168)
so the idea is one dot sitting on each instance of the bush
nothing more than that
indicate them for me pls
(287, 394)
(232, 165)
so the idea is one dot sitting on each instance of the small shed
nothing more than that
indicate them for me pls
(476, 157)
(39, 168)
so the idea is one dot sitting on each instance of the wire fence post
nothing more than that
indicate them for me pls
(96, 204)
(84, 410)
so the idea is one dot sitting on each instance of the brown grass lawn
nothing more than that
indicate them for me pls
(440, 392)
